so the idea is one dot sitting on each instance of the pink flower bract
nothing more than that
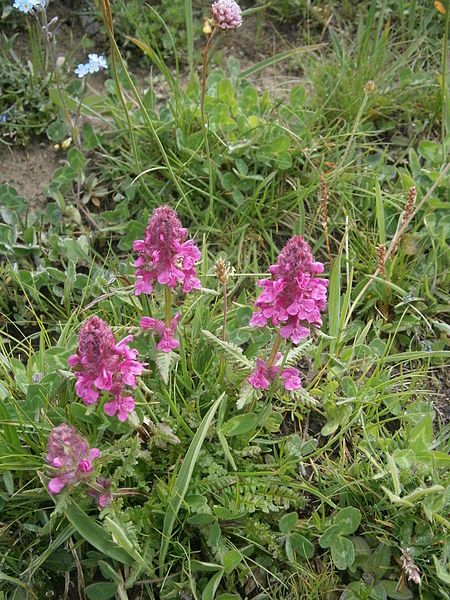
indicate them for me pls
(165, 255)
(227, 14)
(101, 364)
(69, 453)
(294, 297)
(167, 342)
(263, 375)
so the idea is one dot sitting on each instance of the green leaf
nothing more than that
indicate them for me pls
(240, 425)
(347, 520)
(342, 553)
(334, 302)
(276, 58)
(329, 536)
(93, 533)
(101, 591)
(421, 435)
(288, 522)
(301, 545)
(231, 560)
(390, 587)
(210, 590)
(441, 571)
(76, 159)
(179, 489)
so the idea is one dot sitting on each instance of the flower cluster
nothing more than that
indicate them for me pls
(102, 364)
(95, 64)
(165, 256)
(101, 492)
(167, 341)
(27, 6)
(226, 14)
(69, 453)
(294, 297)
(264, 374)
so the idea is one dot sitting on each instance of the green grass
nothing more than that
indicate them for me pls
(316, 495)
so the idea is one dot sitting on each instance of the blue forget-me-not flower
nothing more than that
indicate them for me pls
(27, 6)
(96, 63)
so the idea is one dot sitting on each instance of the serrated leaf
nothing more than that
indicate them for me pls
(296, 353)
(164, 362)
(247, 394)
(233, 352)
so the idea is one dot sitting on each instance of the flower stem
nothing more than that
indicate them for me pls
(203, 118)
(275, 349)
(225, 312)
(167, 300)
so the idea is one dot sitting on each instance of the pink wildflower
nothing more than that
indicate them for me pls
(227, 14)
(168, 342)
(294, 297)
(102, 364)
(165, 256)
(69, 453)
(105, 496)
(263, 376)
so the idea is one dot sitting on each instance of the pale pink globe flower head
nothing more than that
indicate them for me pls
(226, 14)
(165, 255)
(167, 341)
(102, 364)
(264, 375)
(294, 297)
(69, 453)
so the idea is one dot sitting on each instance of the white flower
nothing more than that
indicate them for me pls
(96, 63)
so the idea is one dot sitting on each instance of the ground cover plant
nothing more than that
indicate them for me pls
(223, 315)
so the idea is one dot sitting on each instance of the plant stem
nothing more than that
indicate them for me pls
(167, 301)
(225, 312)
(204, 124)
(275, 349)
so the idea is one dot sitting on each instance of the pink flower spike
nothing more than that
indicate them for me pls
(102, 364)
(69, 453)
(227, 14)
(164, 255)
(294, 297)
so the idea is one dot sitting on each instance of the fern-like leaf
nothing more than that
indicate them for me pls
(296, 353)
(231, 351)
(303, 397)
(164, 362)
(247, 394)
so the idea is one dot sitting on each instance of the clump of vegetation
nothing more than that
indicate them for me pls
(223, 335)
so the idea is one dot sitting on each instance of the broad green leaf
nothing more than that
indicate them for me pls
(101, 591)
(288, 522)
(392, 590)
(93, 533)
(240, 425)
(342, 553)
(179, 489)
(347, 520)
(210, 590)
(329, 536)
(301, 545)
(231, 560)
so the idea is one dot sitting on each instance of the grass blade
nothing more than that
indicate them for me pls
(183, 478)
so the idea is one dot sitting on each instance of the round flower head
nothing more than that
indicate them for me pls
(165, 256)
(294, 297)
(226, 14)
(69, 453)
(103, 364)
